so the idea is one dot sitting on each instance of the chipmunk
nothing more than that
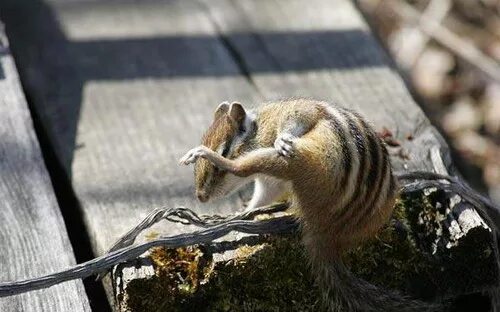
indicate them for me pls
(336, 169)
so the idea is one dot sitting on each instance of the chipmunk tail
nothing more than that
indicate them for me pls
(343, 291)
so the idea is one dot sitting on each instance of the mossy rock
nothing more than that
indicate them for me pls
(274, 275)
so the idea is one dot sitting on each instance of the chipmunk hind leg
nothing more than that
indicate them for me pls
(315, 155)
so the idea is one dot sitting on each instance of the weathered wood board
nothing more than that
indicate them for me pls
(125, 101)
(134, 84)
(33, 237)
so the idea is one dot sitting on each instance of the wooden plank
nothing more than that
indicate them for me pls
(134, 85)
(128, 132)
(110, 124)
(33, 236)
(354, 70)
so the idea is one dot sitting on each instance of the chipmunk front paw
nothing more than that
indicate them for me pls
(192, 155)
(284, 144)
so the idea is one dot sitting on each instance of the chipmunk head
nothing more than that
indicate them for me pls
(227, 134)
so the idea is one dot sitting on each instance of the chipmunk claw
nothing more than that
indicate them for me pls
(192, 155)
(284, 144)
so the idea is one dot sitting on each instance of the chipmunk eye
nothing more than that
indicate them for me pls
(225, 150)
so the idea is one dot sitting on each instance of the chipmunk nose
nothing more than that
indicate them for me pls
(202, 196)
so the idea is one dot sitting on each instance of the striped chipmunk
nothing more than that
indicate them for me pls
(337, 171)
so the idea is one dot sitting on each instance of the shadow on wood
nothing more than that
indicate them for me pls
(54, 75)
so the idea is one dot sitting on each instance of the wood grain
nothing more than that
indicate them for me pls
(33, 238)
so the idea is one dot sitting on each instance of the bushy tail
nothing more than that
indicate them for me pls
(345, 292)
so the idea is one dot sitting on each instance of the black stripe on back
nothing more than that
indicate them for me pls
(359, 140)
(366, 174)
(373, 147)
(379, 181)
(370, 180)
(346, 155)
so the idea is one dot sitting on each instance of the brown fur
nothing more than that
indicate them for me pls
(325, 159)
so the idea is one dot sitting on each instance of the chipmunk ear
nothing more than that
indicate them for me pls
(237, 112)
(221, 109)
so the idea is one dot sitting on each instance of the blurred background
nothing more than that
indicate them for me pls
(449, 52)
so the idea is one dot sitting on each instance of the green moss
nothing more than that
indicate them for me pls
(456, 262)
(274, 276)
(392, 259)
(271, 276)
(178, 274)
